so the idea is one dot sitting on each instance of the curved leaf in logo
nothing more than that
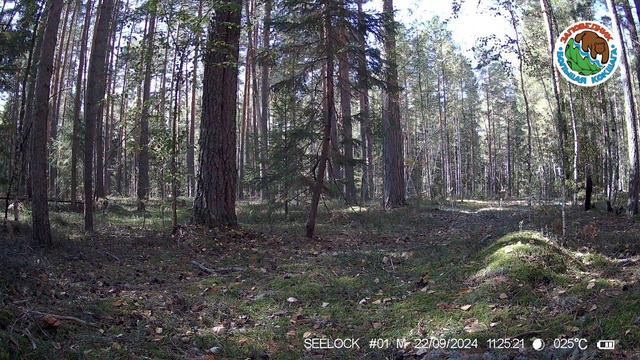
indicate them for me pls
(583, 65)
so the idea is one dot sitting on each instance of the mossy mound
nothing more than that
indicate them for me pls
(523, 257)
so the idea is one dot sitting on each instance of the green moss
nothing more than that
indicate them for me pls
(524, 257)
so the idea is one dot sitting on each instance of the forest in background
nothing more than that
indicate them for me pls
(405, 112)
(226, 179)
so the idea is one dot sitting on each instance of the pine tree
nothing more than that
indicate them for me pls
(394, 185)
(216, 195)
(41, 231)
(94, 97)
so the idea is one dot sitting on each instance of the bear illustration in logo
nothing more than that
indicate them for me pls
(594, 44)
(582, 53)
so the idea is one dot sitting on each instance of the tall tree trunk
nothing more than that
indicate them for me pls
(490, 173)
(174, 145)
(608, 155)
(548, 17)
(252, 36)
(244, 124)
(96, 81)
(243, 157)
(29, 106)
(264, 102)
(630, 115)
(41, 232)
(121, 172)
(527, 111)
(77, 102)
(216, 198)
(110, 118)
(58, 82)
(366, 135)
(394, 189)
(345, 111)
(191, 184)
(102, 121)
(24, 114)
(329, 110)
(143, 155)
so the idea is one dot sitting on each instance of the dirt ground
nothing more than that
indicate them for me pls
(478, 272)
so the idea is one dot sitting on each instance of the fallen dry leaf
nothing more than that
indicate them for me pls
(51, 320)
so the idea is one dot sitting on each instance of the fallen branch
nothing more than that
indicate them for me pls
(210, 271)
(65, 317)
(203, 268)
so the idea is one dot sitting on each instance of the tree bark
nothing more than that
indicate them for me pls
(216, 198)
(96, 81)
(41, 232)
(394, 194)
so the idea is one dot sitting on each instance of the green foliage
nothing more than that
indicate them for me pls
(579, 63)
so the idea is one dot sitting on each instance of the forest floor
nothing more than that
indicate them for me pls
(473, 270)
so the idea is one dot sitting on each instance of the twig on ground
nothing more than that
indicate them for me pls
(27, 333)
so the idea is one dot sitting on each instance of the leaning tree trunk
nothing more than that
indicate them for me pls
(548, 16)
(96, 81)
(630, 115)
(143, 155)
(394, 189)
(216, 197)
(329, 107)
(40, 212)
